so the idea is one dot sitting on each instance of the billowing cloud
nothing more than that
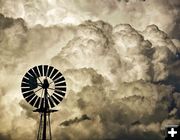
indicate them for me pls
(124, 77)
(19, 49)
(138, 13)
(128, 67)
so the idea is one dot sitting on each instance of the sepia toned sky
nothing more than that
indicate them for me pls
(120, 59)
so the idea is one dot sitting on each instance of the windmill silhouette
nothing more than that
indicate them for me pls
(43, 87)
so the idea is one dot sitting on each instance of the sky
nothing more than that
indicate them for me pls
(120, 59)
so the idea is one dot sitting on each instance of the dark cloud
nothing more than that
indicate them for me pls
(6, 22)
(176, 30)
(130, 0)
(140, 136)
(136, 123)
(75, 120)
(5, 137)
(27, 110)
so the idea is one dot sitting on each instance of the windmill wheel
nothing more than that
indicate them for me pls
(37, 79)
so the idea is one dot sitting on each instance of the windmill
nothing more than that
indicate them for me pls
(43, 87)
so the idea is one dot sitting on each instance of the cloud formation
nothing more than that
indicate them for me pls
(75, 120)
(138, 13)
(19, 49)
(129, 66)
(118, 74)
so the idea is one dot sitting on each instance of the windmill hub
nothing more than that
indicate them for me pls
(45, 84)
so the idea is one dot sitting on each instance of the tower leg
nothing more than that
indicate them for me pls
(45, 112)
(40, 128)
(49, 121)
(44, 127)
(44, 131)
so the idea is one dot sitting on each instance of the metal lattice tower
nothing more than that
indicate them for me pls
(43, 87)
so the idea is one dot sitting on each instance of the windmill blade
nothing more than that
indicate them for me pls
(45, 70)
(61, 89)
(25, 89)
(37, 102)
(41, 70)
(25, 80)
(35, 69)
(55, 71)
(49, 71)
(59, 80)
(26, 94)
(51, 102)
(29, 79)
(58, 97)
(42, 103)
(32, 102)
(57, 76)
(30, 97)
(33, 79)
(31, 83)
(60, 84)
(60, 93)
(36, 73)
(55, 100)
(23, 84)
(28, 76)
(32, 73)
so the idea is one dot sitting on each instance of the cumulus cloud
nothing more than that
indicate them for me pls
(131, 65)
(138, 13)
(19, 49)
(117, 75)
